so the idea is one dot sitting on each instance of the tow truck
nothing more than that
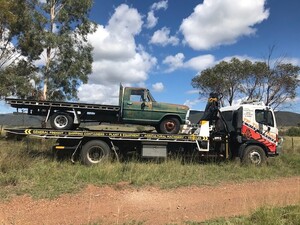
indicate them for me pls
(247, 131)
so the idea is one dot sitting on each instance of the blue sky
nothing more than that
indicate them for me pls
(162, 45)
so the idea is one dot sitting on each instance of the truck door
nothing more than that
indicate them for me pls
(137, 106)
(267, 127)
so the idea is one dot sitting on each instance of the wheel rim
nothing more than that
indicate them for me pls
(255, 158)
(61, 121)
(170, 125)
(95, 154)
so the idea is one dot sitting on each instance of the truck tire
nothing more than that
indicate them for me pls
(157, 128)
(61, 121)
(95, 152)
(170, 125)
(254, 155)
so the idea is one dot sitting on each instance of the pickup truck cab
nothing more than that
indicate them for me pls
(136, 106)
(139, 107)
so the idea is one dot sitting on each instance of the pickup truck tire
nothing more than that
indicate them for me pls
(61, 121)
(95, 152)
(254, 155)
(169, 125)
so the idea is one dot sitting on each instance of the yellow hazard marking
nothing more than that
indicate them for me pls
(27, 131)
(60, 147)
(204, 138)
(203, 122)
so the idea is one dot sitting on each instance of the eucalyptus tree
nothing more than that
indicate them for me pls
(274, 83)
(56, 39)
(225, 77)
(281, 80)
(15, 71)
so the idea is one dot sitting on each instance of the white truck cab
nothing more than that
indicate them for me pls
(258, 123)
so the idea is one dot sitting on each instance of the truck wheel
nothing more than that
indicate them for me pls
(61, 121)
(157, 128)
(94, 152)
(255, 155)
(170, 125)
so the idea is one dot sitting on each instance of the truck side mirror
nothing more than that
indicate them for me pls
(237, 120)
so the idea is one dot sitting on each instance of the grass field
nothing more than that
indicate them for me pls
(267, 216)
(28, 167)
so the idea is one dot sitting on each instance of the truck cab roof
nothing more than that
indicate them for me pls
(245, 104)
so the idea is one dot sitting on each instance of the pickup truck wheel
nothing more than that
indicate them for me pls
(170, 125)
(94, 152)
(61, 121)
(255, 155)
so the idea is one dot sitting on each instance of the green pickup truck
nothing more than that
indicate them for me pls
(136, 106)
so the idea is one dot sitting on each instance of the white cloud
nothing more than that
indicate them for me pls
(191, 92)
(151, 18)
(125, 22)
(131, 70)
(294, 61)
(174, 62)
(202, 62)
(222, 22)
(98, 93)
(158, 87)
(117, 57)
(162, 37)
(192, 103)
(198, 63)
(160, 5)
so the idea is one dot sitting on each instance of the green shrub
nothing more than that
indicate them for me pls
(293, 132)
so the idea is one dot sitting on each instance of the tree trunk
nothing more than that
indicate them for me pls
(48, 54)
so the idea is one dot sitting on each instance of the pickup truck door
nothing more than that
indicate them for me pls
(137, 107)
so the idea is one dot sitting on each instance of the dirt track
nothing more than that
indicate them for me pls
(107, 205)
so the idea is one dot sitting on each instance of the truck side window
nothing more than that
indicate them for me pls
(137, 96)
(264, 117)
